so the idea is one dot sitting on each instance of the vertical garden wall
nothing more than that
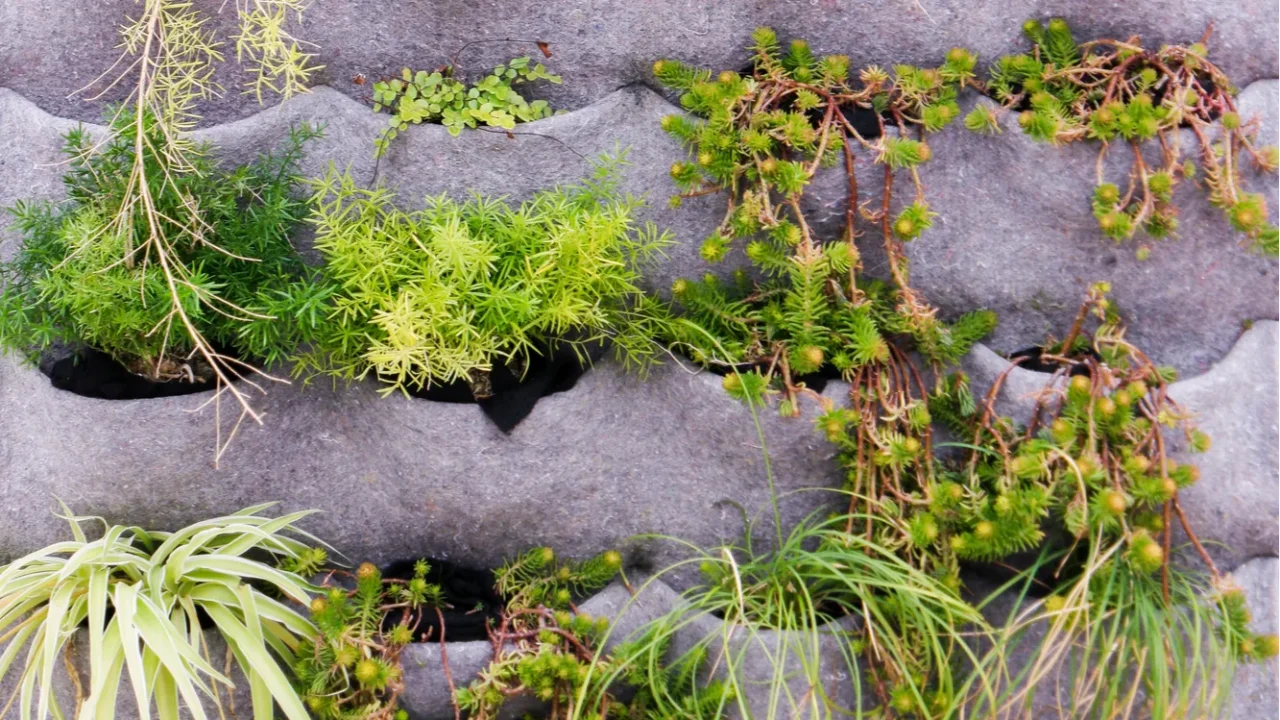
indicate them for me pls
(615, 461)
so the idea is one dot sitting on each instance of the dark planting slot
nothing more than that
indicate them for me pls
(1033, 361)
(866, 121)
(513, 394)
(473, 601)
(95, 374)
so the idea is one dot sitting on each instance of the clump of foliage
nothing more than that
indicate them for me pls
(439, 97)
(87, 275)
(759, 139)
(544, 646)
(1118, 91)
(169, 55)
(1095, 461)
(141, 594)
(443, 293)
(353, 669)
(894, 626)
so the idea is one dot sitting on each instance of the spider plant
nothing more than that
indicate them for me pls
(141, 595)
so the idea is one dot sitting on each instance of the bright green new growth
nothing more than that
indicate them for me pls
(154, 584)
(439, 97)
(1119, 92)
(169, 56)
(352, 668)
(443, 293)
(760, 138)
(87, 275)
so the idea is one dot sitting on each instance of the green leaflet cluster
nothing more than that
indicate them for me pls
(86, 273)
(1120, 92)
(439, 97)
(442, 293)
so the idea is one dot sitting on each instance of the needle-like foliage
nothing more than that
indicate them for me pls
(166, 68)
(141, 595)
(443, 293)
(896, 632)
(82, 279)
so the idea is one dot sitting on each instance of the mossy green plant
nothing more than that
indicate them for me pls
(351, 666)
(1126, 618)
(759, 138)
(546, 647)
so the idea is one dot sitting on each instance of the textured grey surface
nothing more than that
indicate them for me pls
(50, 48)
(816, 679)
(1015, 234)
(397, 477)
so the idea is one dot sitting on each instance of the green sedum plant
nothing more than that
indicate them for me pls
(544, 646)
(169, 56)
(141, 594)
(1120, 92)
(439, 97)
(352, 667)
(86, 275)
(1125, 619)
(443, 293)
(759, 139)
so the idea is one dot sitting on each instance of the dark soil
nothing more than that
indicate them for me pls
(513, 394)
(93, 373)
(473, 601)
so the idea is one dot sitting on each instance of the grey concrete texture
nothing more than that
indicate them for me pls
(1015, 234)
(777, 673)
(52, 48)
(1233, 508)
(397, 478)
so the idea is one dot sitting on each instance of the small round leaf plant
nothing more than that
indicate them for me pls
(759, 139)
(1153, 101)
(439, 97)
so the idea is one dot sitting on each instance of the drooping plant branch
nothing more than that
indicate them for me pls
(759, 139)
(1119, 92)
(1095, 462)
(169, 54)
